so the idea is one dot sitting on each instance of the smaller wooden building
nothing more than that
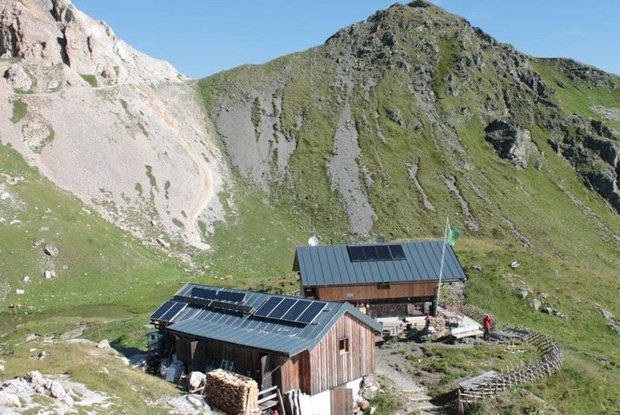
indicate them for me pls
(298, 344)
(384, 278)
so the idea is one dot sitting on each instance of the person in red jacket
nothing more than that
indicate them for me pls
(487, 323)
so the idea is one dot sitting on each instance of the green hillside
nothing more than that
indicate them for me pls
(398, 106)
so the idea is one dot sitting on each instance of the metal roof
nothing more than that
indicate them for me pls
(245, 329)
(331, 265)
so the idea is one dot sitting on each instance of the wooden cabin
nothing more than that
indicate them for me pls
(297, 344)
(384, 279)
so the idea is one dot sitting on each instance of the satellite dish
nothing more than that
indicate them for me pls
(313, 241)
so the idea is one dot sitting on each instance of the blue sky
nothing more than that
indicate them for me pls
(202, 37)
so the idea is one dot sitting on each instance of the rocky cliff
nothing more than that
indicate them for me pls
(124, 132)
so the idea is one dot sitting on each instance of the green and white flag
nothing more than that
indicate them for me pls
(453, 234)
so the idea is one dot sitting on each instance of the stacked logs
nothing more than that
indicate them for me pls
(232, 393)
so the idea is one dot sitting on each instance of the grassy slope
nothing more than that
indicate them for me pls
(111, 282)
(96, 264)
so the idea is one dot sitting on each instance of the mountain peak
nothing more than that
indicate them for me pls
(55, 32)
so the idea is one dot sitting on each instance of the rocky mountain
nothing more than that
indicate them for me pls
(124, 132)
(414, 114)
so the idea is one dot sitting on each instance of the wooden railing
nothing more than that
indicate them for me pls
(270, 398)
(550, 360)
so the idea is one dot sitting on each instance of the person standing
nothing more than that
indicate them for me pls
(487, 323)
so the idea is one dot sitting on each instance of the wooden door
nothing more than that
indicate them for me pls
(342, 401)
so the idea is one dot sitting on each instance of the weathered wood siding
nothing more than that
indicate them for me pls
(312, 372)
(353, 293)
(328, 368)
(291, 372)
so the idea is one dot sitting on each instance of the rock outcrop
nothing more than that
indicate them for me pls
(595, 154)
(510, 141)
(124, 132)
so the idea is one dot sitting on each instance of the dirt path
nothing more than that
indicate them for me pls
(392, 363)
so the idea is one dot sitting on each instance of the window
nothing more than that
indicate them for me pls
(383, 285)
(343, 345)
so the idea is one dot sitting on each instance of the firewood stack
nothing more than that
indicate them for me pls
(232, 393)
(437, 325)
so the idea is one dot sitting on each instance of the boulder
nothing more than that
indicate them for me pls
(103, 344)
(35, 378)
(50, 250)
(369, 387)
(523, 293)
(536, 304)
(394, 115)
(509, 141)
(9, 400)
(198, 402)
(19, 291)
(161, 242)
(17, 78)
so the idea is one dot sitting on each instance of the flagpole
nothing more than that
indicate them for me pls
(443, 254)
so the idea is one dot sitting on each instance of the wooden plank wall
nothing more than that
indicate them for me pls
(353, 293)
(341, 401)
(291, 372)
(329, 368)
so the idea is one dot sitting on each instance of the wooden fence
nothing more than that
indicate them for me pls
(550, 360)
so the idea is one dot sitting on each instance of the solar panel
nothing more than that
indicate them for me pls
(231, 307)
(230, 296)
(172, 312)
(162, 310)
(311, 313)
(281, 309)
(297, 309)
(367, 253)
(370, 252)
(397, 252)
(267, 307)
(356, 254)
(383, 253)
(206, 293)
(191, 300)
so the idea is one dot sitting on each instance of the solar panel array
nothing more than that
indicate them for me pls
(168, 311)
(290, 309)
(220, 295)
(367, 253)
(232, 307)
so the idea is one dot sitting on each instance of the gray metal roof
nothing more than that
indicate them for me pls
(325, 265)
(248, 330)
